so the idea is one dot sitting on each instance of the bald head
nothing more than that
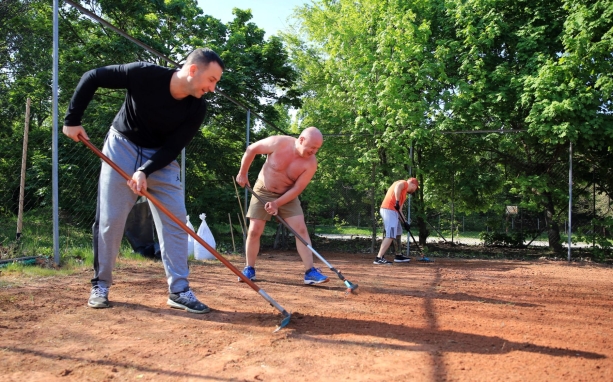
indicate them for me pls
(312, 133)
(309, 141)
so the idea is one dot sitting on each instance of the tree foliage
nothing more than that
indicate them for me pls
(395, 74)
(390, 83)
(258, 75)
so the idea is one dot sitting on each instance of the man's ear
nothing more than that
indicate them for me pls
(192, 69)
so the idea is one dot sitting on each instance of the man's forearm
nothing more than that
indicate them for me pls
(246, 163)
(289, 195)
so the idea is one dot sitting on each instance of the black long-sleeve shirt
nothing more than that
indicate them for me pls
(149, 117)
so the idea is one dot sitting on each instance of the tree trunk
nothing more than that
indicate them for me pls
(280, 237)
(553, 228)
(419, 207)
(275, 245)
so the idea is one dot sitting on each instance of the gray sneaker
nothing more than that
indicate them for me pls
(98, 297)
(187, 301)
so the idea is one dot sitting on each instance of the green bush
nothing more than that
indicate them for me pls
(603, 247)
(503, 239)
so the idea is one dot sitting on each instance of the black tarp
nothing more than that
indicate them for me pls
(140, 230)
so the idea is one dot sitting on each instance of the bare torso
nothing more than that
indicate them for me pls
(284, 166)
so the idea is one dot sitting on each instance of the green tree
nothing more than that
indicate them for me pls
(366, 66)
(391, 74)
(571, 94)
(25, 55)
(257, 75)
(498, 44)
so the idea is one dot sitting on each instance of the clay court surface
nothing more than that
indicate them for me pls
(453, 320)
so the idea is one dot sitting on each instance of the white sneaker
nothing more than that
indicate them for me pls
(98, 297)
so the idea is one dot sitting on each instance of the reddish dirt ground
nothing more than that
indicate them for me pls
(452, 320)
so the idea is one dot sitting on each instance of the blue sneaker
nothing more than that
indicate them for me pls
(426, 259)
(249, 272)
(313, 276)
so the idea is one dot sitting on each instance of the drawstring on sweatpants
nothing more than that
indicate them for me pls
(139, 157)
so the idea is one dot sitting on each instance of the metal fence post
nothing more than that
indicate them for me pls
(409, 206)
(54, 148)
(183, 172)
(570, 195)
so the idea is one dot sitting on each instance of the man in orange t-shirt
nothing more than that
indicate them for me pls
(394, 199)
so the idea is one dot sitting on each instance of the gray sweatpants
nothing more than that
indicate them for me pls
(116, 199)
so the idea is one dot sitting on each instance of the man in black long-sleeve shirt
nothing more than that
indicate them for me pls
(162, 112)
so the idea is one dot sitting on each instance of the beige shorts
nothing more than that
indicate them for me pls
(257, 211)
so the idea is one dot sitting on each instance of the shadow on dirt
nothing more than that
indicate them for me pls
(313, 327)
(417, 339)
(114, 364)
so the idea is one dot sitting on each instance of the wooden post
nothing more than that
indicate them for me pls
(24, 156)
(243, 222)
(231, 233)
(242, 229)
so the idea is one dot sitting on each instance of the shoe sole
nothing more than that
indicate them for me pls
(374, 262)
(311, 282)
(402, 261)
(242, 281)
(174, 305)
(98, 306)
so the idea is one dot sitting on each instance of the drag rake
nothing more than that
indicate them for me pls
(286, 315)
(404, 221)
(351, 287)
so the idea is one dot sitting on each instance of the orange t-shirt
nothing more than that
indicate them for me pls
(390, 198)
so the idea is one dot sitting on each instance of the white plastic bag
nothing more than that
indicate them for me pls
(190, 239)
(201, 253)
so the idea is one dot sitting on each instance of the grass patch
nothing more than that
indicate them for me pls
(72, 260)
(36, 232)
(6, 284)
(343, 230)
(37, 271)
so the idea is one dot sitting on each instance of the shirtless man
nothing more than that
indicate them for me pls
(289, 167)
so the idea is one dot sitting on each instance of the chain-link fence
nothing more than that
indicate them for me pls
(25, 174)
(330, 205)
(511, 221)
